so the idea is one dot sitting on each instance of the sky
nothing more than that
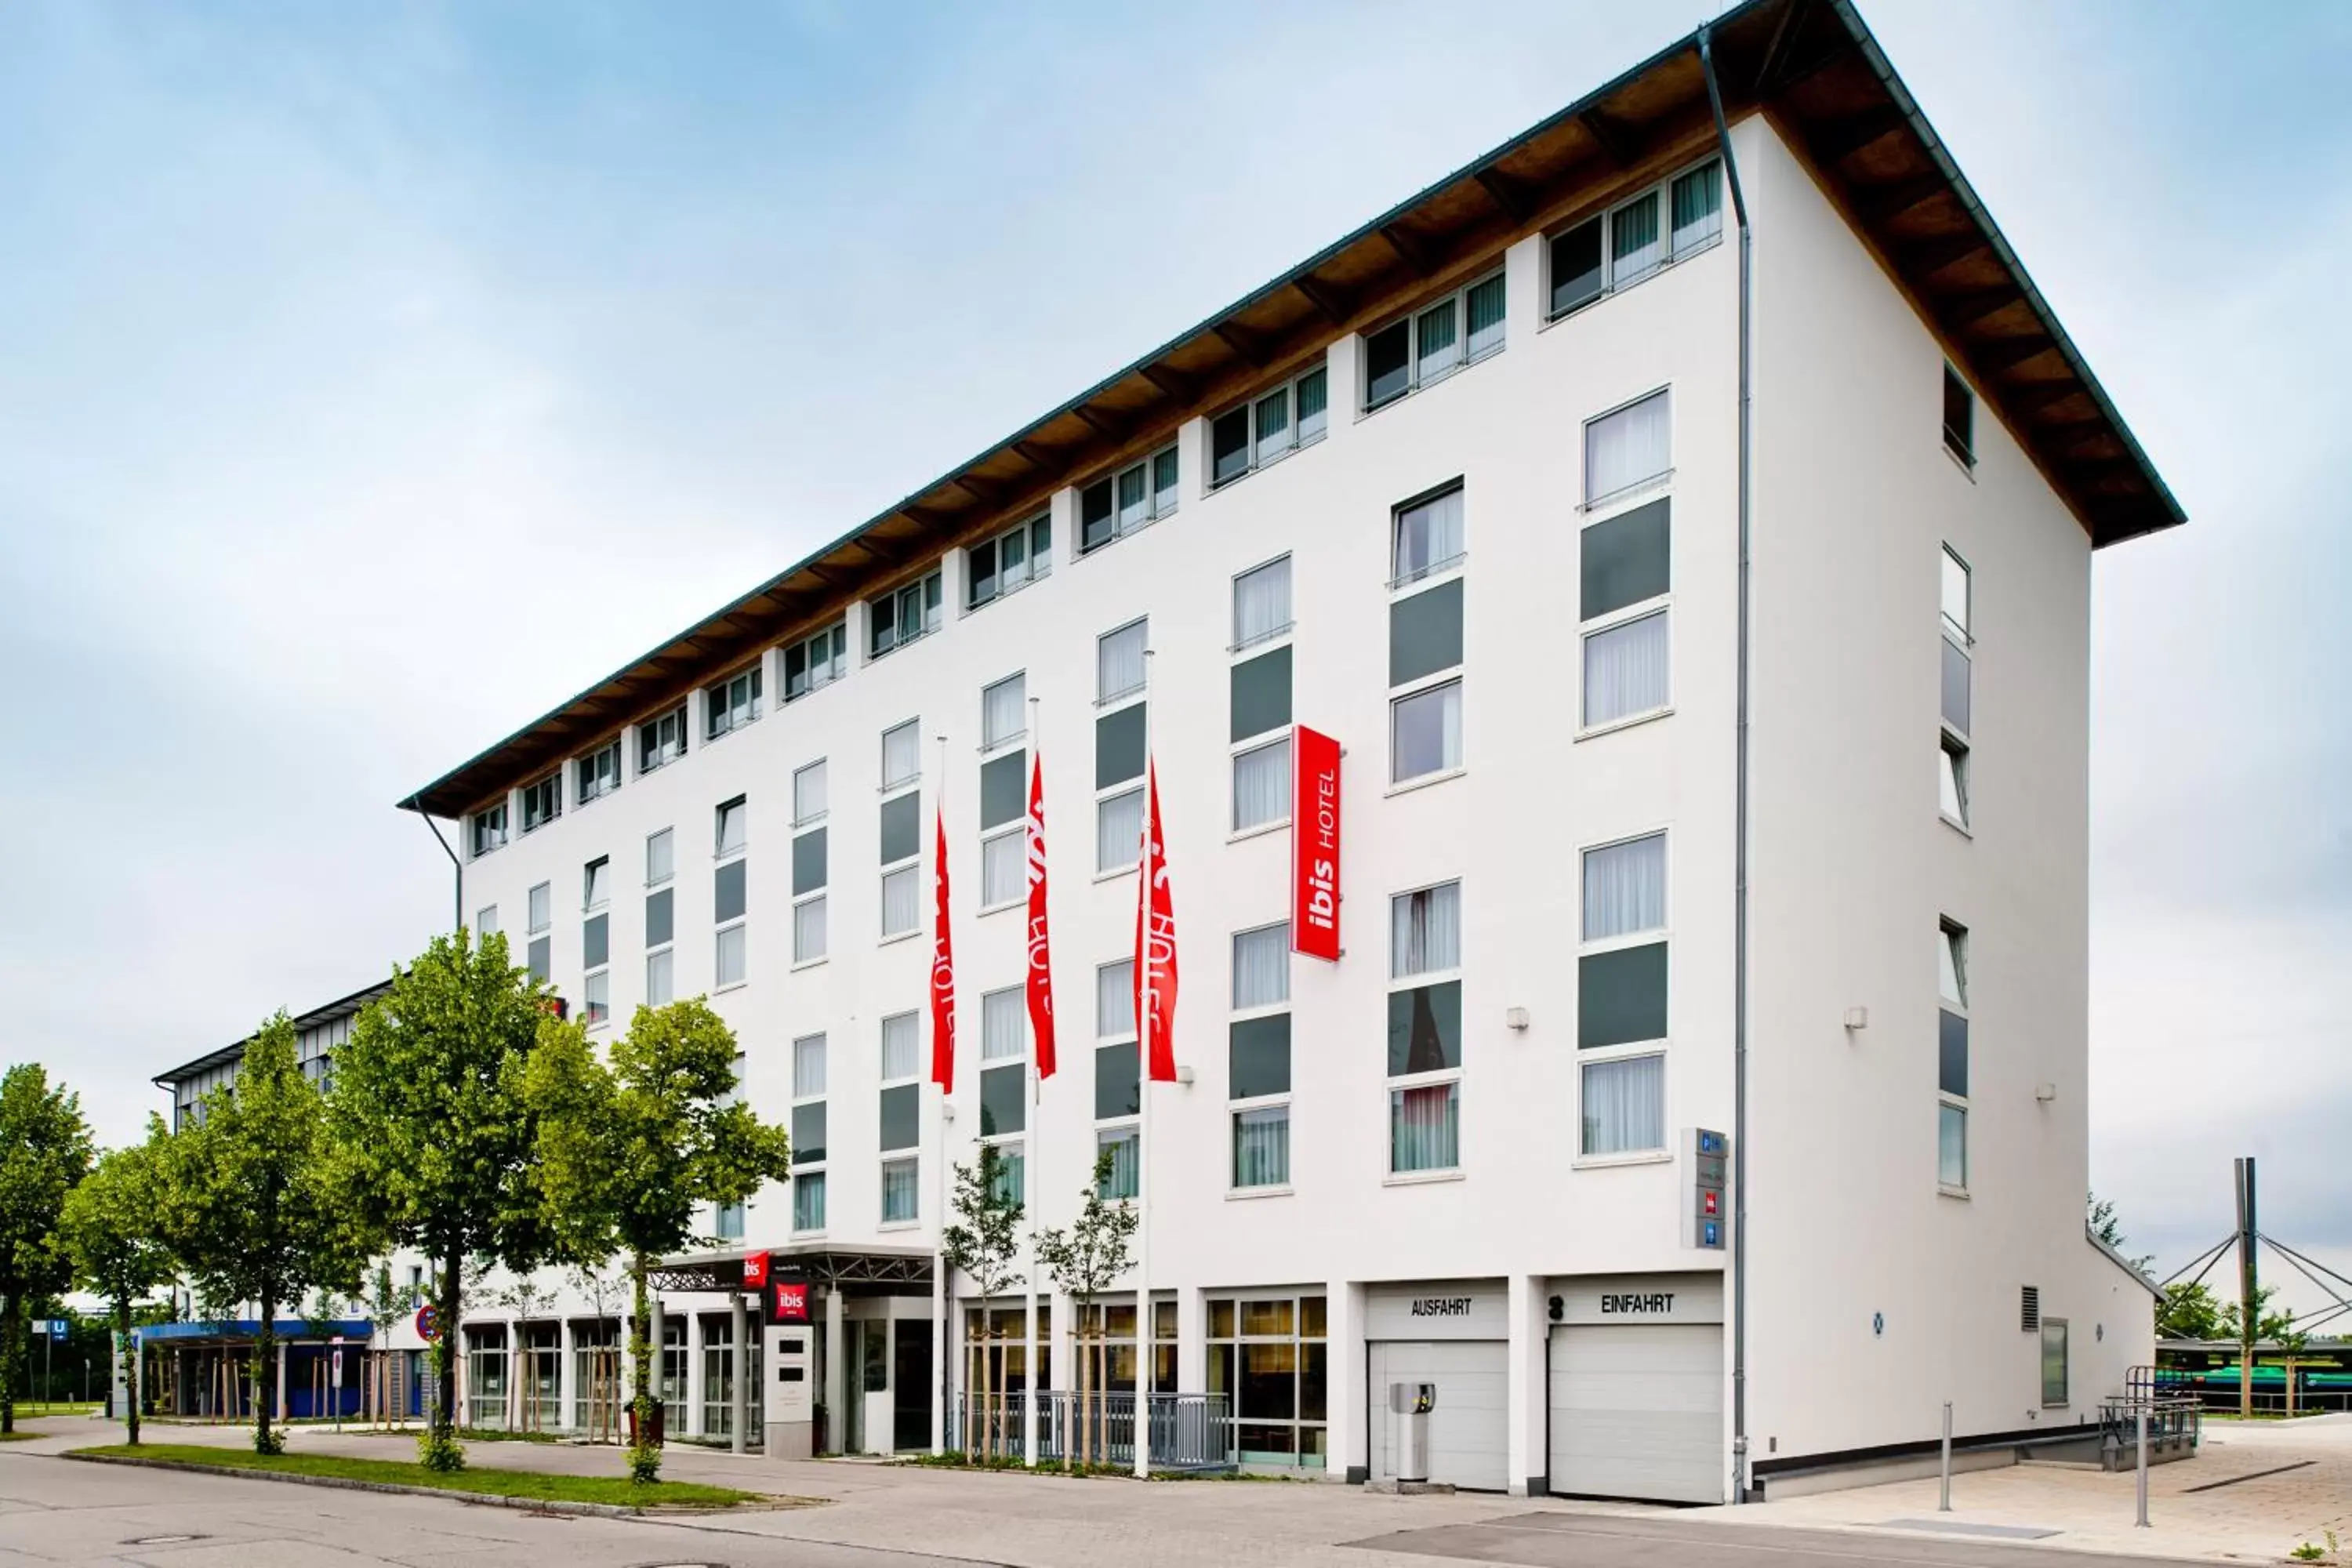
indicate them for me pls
(374, 377)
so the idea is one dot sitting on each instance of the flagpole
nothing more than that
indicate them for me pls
(1030, 1391)
(940, 1295)
(1143, 1313)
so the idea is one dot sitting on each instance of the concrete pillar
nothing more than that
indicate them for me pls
(285, 1400)
(1192, 1338)
(835, 1354)
(1527, 1397)
(656, 1330)
(567, 1378)
(739, 1351)
(1351, 1440)
(1029, 1387)
(697, 1385)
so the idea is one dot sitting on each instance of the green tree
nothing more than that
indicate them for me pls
(434, 1138)
(1084, 1260)
(984, 1242)
(2188, 1312)
(629, 1151)
(251, 1207)
(44, 1150)
(2276, 1326)
(114, 1236)
(2100, 1215)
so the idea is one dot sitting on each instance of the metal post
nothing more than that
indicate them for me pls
(2142, 1465)
(1945, 1505)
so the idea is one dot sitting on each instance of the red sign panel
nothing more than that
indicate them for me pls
(1315, 845)
(789, 1301)
(428, 1322)
(755, 1271)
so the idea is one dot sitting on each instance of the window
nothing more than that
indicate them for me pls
(1274, 425)
(1262, 604)
(902, 832)
(1433, 342)
(2054, 1361)
(1004, 830)
(489, 828)
(1004, 712)
(810, 867)
(1270, 1359)
(597, 883)
(1952, 1057)
(1425, 1045)
(1257, 1080)
(1120, 662)
(661, 918)
(727, 1222)
(730, 894)
(896, 620)
(1618, 248)
(1624, 1106)
(1011, 561)
(1626, 570)
(599, 772)
(1426, 536)
(1005, 1081)
(596, 993)
(1131, 498)
(1119, 744)
(732, 703)
(733, 820)
(808, 1132)
(1621, 973)
(661, 739)
(1425, 733)
(901, 1117)
(1260, 736)
(542, 802)
(1119, 1078)
(1959, 418)
(1628, 448)
(1957, 681)
(538, 950)
(816, 661)
(595, 941)
(486, 921)
(1952, 782)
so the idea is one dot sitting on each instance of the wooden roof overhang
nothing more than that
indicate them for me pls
(1811, 65)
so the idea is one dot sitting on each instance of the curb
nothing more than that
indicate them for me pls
(484, 1499)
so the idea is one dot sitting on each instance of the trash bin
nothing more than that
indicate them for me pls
(1411, 1403)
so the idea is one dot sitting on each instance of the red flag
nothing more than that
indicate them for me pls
(1155, 945)
(943, 972)
(1041, 961)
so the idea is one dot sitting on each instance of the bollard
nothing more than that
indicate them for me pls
(1946, 1505)
(2143, 1467)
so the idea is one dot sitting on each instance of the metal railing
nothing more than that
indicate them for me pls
(2217, 1389)
(2175, 1426)
(1190, 1432)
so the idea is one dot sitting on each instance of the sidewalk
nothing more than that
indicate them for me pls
(2256, 1516)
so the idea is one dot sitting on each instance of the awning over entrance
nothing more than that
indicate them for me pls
(858, 1271)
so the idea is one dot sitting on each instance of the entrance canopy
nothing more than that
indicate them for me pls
(846, 1271)
(294, 1330)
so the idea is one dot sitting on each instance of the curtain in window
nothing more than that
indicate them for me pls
(898, 1189)
(808, 793)
(1424, 1132)
(1262, 1147)
(1624, 449)
(1118, 832)
(1625, 671)
(659, 992)
(1439, 340)
(1261, 602)
(1118, 662)
(1262, 967)
(1697, 208)
(1484, 305)
(1262, 786)
(1004, 869)
(902, 900)
(1313, 396)
(1634, 239)
(660, 856)
(1429, 535)
(808, 1066)
(901, 1046)
(1274, 432)
(1625, 888)
(1624, 1106)
(808, 930)
(1002, 1026)
(1134, 498)
(1115, 1000)
(731, 956)
(1125, 1148)
(1012, 1172)
(808, 1201)
(1425, 930)
(1163, 483)
(1003, 710)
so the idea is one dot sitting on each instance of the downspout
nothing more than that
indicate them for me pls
(456, 866)
(1739, 835)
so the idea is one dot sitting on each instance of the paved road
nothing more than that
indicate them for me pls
(1556, 1540)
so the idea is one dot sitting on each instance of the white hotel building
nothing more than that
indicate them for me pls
(1690, 782)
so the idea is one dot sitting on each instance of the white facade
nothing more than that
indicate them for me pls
(1858, 1256)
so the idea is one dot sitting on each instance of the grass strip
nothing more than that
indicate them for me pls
(531, 1485)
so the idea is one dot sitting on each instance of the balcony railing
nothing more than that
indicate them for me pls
(1190, 1432)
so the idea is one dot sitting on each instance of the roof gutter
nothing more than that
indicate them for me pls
(1739, 795)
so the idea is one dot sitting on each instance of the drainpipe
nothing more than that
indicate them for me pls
(1740, 854)
(456, 866)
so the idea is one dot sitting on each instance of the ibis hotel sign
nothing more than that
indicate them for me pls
(1315, 845)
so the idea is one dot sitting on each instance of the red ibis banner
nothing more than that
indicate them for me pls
(1315, 845)
(755, 1271)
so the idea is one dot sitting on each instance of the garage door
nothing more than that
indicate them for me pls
(1637, 1412)
(1467, 1428)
